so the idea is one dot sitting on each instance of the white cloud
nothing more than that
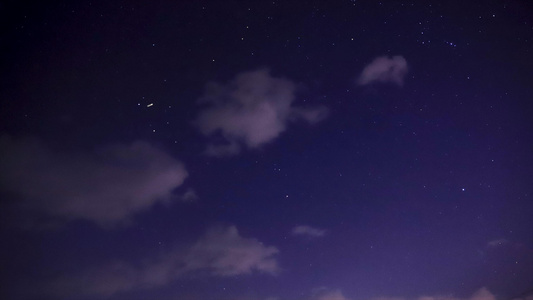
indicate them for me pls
(384, 69)
(221, 252)
(308, 231)
(252, 109)
(107, 186)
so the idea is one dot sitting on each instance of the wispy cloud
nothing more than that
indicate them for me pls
(106, 186)
(384, 69)
(481, 294)
(329, 295)
(252, 109)
(221, 252)
(189, 196)
(308, 231)
(497, 243)
(224, 252)
(326, 293)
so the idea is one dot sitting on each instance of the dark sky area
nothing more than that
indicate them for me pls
(266, 150)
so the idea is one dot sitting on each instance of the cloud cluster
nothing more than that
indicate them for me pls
(481, 294)
(252, 109)
(384, 69)
(221, 252)
(106, 186)
(323, 293)
(304, 230)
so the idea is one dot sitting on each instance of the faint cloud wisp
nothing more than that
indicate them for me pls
(220, 252)
(329, 295)
(497, 243)
(308, 231)
(481, 294)
(385, 70)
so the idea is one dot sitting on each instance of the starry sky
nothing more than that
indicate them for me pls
(266, 150)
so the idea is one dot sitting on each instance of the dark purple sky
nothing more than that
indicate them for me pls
(266, 150)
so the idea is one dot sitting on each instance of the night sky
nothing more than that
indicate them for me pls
(266, 150)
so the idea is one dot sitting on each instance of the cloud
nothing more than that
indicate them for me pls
(226, 253)
(481, 294)
(106, 186)
(384, 69)
(497, 243)
(325, 294)
(220, 252)
(253, 109)
(308, 231)
(189, 196)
